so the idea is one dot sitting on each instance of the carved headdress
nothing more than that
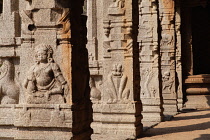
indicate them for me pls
(47, 49)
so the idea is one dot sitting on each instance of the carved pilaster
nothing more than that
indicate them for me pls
(168, 52)
(117, 88)
(149, 63)
(178, 55)
(56, 72)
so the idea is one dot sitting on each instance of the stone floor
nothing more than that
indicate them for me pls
(188, 125)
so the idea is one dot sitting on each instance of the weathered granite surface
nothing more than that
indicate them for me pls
(114, 69)
(135, 39)
(44, 76)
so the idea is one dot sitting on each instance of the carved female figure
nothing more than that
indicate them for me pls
(45, 82)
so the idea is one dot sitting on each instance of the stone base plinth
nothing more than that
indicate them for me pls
(108, 137)
(41, 122)
(122, 120)
(170, 106)
(43, 134)
(198, 101)
(180, 103)
(152, 112)
(97, 115)
(82, 118)
(29, 122)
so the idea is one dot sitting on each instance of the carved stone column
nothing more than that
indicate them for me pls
(151, 96)
(114, 68)
(179, 83)
(44, 64)
(168, 53)
(94, 11)
(9, 67)
(92, 29)
(120, 104)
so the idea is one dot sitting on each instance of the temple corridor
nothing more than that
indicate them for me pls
(188, 125)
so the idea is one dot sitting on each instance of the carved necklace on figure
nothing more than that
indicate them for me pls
(41, 69)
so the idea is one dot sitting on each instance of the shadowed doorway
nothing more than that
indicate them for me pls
(201, 39)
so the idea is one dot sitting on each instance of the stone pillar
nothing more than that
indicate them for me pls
(120, 105)
(82, 106)
(148, 39)
(47, 70)
(95, 63)
(9, 59)
(92, 30)
(114, 68)
(168, 53)
(179, 83)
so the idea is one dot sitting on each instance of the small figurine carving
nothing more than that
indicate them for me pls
(9, 91)
(95, 94)
(167, 81)
(45, 82)
(167, 40)
(116, 85)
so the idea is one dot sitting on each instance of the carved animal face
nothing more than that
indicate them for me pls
(166, 76)
(117, 70)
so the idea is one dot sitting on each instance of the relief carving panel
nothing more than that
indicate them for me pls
(168, 81)
(116, 89)
(148, 83)
(146, 28)
(45, 82)
(9, 90)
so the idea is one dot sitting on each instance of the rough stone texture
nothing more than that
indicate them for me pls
(44, 76)
(159, 57)
(198, 101)
(149, 63)
(114, 86)
(189, 125)
(136, 56)
(168, 56)
(179, 83)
